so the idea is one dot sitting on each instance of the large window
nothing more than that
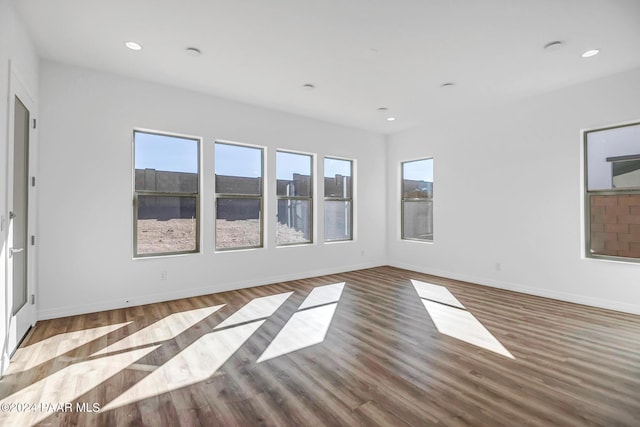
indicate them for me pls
(294, 189)
(417, 200)
(166, 197)
(338, 199)
(238, 196)
(612, 192)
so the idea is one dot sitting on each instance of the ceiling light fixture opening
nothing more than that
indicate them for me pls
(133, 45)
(382, 109)
(308, 86)
(448, 84)
(590, 53)
(193, 51)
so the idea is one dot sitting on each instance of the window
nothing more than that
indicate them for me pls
(166, 197)
(417, 200)
(612, 192)
(338, 199)
(294, 189)
(239, 202)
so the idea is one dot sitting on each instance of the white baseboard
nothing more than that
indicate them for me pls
(57, 312)
(546, 293)
(229, 286)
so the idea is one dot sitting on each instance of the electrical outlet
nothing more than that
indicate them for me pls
(498, 266)
(163, 275)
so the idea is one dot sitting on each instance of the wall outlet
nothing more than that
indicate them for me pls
(163, 275)
(498, 266)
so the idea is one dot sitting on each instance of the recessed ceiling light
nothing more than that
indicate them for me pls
(382, 109)
(448, 84)
(590, 53)
(193, 51)
(133, 45)
(553, 46)
(308, 86)
(390, 119)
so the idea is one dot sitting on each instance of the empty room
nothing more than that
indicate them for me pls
(320, 213)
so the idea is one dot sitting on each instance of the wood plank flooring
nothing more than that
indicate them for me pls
(382, 361)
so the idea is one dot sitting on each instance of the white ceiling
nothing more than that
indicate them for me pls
(360, 54)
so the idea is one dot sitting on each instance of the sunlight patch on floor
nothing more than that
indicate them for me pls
(257, 308)
(323, 295)
(462, 325)
(195, 363)
(56, 388)
(308, 326)
(436, 293)
(452, 318)
(164, 329)
(57, 345)
(200, 360)
(304, 329)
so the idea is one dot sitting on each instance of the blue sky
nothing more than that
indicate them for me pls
(165, 153)
(333, 167)
(419, 170)
(233, 160)
(289, 163)
(169, 153)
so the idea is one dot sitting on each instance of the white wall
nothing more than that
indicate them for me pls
(87, 119)
(508, 190)
(15, 47)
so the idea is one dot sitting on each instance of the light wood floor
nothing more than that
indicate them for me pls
(382, 362)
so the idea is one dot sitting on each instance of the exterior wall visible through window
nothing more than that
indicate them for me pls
(166, 194)
(417, 200)
(338, 199)
(294, 191)
(239, 196)
(612, 192)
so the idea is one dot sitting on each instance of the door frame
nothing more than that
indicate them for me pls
(17, 88)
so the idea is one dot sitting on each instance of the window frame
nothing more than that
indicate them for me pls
(303, 198)
(413, 199)
(137, 193)
(588, 194)
(340, 199)
(237, 196)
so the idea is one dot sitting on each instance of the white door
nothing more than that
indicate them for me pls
(21, 297)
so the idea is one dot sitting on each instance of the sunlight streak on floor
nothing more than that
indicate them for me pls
(56, 388)
(304, 329)
(436, 293)
(200, 360)
(307, 326)
(164, 329)
(462, 325)
(195, 363)
(57, 345)
(257, 308)
(323, 295)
